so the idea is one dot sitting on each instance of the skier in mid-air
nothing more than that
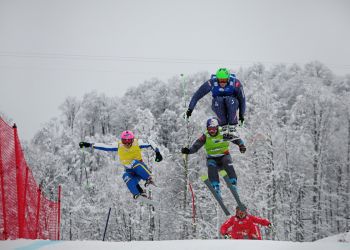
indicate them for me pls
(129, 152)
(218, 154)
(243, 226)
(228, 97)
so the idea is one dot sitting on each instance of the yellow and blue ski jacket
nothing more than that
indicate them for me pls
(127, 155)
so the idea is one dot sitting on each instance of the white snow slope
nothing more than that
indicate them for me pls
(337, 242)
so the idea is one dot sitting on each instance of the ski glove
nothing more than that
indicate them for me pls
(188, 113)
(270, 226)
(185, 151)
(159, 157)
(227, 236)
(242, 148)
(84, 144)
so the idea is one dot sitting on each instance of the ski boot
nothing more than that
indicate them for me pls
(216, 186)
(233, 181)
(225, 132)
(140, 194)
(150, 181)
(232, 131)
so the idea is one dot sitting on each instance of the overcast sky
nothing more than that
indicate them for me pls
(53, 49)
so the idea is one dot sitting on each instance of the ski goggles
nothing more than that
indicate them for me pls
(212, 130)
(127, 141)
(240, 213)
(223, 80)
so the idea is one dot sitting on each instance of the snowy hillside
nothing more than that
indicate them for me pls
(332, 243)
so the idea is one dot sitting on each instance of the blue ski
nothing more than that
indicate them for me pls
(233, 190)
(206, 181)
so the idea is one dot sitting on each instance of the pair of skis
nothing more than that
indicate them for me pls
(218, 198)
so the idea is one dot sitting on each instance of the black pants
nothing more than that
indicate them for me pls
(220, 163)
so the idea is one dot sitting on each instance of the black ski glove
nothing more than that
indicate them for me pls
(227, 236)
(159, 157)
(242, 148)
(188, 113)
(84, 144)
(185, 151)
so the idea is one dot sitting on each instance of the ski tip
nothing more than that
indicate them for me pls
(242, 207)
(204, 177)
(223, 173)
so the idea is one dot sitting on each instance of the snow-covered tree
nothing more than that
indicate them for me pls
(295, 171)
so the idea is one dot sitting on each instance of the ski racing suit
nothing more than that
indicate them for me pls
(218, 156)
(225, 101)
(131, 159)
(244, 228)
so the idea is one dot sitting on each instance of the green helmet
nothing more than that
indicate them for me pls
(222, 73)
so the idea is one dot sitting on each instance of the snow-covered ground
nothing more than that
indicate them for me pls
(341, 242)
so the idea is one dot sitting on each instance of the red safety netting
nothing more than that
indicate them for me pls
(24, 211)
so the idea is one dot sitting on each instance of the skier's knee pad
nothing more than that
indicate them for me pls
(215, 183)
(216, 186)
(211, 163)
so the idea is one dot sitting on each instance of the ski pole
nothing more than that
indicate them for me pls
(104, 234)
(184, 91)
(185, 156)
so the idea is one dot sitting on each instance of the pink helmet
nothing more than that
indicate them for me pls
(127, 137)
